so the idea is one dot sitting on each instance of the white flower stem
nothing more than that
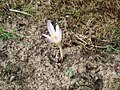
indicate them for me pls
(61, 50)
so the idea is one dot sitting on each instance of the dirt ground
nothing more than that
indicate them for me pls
(90, 40)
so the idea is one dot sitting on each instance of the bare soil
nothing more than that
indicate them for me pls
(30, 62)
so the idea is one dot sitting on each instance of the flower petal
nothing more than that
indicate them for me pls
(57, 29)
(48, 37)
(58, 32)
(56, 39)
(50, 28)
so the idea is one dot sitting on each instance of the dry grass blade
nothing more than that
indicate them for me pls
(17, 11)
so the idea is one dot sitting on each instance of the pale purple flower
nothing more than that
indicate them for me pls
(55, 34)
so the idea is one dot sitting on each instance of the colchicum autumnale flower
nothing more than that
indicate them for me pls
(55, 35)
